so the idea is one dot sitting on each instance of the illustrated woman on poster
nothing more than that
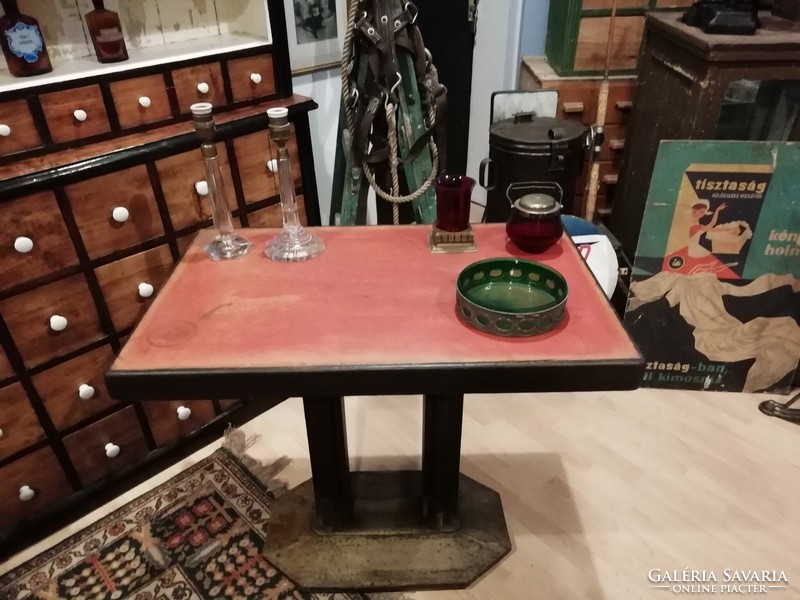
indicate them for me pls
(694, 257)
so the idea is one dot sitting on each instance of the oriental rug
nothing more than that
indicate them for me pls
(200, 535)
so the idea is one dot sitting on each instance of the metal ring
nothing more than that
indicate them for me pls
(416, 14)
(384, 19)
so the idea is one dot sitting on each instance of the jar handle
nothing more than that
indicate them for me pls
(487, 183)
(528, 187)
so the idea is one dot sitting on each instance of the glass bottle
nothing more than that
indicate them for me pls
(106, 33)
(22, 42)
(293, 243)
(228, 244)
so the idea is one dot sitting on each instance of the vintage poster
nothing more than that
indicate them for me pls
(715, 289)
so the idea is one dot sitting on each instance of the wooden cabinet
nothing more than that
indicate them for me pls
(686, 91)
(578, 34)
(578, 100)
(97, 210)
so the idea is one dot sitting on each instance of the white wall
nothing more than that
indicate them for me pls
(495, 68)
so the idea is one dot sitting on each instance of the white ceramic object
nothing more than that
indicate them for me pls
(23, 244)
(5, 130)
(80, 115)
(85, 391)
(144, 102)
(26, 493)
(112, 450)
(1, 434)
(120, 214)
(202, 87)
(184, 413)
(255, 78)
(58, 323)
(201, 187)
(272, 165)
(146, 290)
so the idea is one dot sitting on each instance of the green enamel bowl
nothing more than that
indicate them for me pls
(511, 297)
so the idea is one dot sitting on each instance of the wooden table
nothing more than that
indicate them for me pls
(374, 315)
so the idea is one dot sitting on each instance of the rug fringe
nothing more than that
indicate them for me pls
(237, 442)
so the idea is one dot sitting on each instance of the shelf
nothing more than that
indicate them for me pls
(88, 67)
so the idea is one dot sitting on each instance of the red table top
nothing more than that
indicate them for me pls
(376, 297)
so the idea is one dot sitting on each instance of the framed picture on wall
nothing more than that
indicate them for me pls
(315, 30)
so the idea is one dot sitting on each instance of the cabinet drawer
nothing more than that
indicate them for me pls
(673, 3)
(29, 317)
(39, 471)
(251, 77)
(191, 81)
(17, 129)
(272, 216)
(75, 114)
(170, 421)
(141, 100)
(105, 229)
(18, 423)
(253, 155)
(34, 240)
(592, 45)
(130, 284)
(614, 142)
(75, 390)
(606, 4)
(5, 367)
(91, 449)
(620, 100)
(577, 100)
(179, 176)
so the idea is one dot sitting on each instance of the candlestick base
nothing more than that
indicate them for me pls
(294, 246)
(446, 242)
(228, 247)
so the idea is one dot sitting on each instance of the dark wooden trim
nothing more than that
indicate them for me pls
(470, 378)
(163, 210)
(302, 131)
(111, 108)
(39, 120)
(281, 65)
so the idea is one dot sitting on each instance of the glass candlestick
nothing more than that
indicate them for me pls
(293, 243)
(228, 244)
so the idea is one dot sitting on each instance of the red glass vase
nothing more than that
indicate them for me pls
(453, 198)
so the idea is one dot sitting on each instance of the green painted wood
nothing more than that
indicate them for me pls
(351, 187)
(562, 34)
(411, 125)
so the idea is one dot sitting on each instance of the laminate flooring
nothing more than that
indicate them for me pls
(598, 489)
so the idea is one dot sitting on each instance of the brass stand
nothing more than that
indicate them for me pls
(446, 242)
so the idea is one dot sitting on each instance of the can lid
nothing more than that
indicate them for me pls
(540, 132)
(537, 204)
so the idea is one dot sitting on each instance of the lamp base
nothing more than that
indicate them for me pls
(447, 242)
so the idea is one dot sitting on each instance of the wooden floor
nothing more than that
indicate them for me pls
(598, 488)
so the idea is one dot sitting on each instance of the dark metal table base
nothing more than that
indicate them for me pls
(431, 529)
(386, 547)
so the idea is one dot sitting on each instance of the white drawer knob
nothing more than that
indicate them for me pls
(201, 187)
(120, 214)
(80, 115)
(144, 102)
(85, 391)
(112, 450)
(23, 244)
(58, 323)
(146, 290)
(184, 413)
(1, 433)
(202, 87)
(255, 78)
(5, 130)
(26, 493)
(272, 165)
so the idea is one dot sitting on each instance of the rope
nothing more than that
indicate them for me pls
(394, 197)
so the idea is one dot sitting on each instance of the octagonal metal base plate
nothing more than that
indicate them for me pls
(388, 548)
